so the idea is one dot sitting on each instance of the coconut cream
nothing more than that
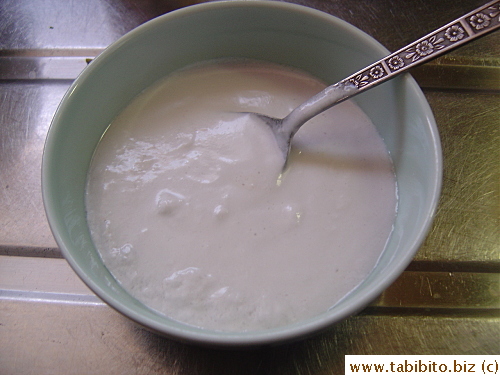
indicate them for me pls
(190, 213)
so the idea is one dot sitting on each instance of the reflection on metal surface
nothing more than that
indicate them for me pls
(466, 225)
(24, 274)
(447, 302)
(45, 24)
(30, 251)
(69, 339)
(458, 76)
(26, 109)
(34, 68)
(443, 290)
(44, 298)
(20, 276)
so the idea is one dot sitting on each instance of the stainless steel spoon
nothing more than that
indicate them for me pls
(464, 29)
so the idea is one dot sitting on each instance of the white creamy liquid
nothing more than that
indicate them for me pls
(187, 212)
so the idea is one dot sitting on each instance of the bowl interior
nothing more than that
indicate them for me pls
(278, 32)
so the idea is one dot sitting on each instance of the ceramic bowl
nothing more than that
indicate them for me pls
(279, 32)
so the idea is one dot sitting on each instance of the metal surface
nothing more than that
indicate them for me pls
(447, 302)
(468, 27)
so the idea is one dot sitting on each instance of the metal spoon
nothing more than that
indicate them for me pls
(464, 29)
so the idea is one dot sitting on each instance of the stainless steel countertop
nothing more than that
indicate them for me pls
(447, 302)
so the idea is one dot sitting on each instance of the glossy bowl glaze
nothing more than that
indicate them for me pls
(278, 32)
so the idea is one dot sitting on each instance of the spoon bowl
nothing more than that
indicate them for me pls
(285, 128)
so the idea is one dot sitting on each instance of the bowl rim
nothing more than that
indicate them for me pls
(286, 333)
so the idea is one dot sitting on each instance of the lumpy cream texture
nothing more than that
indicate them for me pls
(190, 213)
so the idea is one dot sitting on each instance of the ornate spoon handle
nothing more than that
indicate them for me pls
(464, 29)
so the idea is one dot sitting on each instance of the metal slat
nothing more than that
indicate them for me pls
(28, 278)
(75, 339)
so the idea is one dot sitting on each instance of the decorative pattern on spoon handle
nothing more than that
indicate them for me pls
(470, 26)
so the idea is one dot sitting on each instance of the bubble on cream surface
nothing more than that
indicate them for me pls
(187, 211)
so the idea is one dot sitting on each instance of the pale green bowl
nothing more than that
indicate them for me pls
(275, 31)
